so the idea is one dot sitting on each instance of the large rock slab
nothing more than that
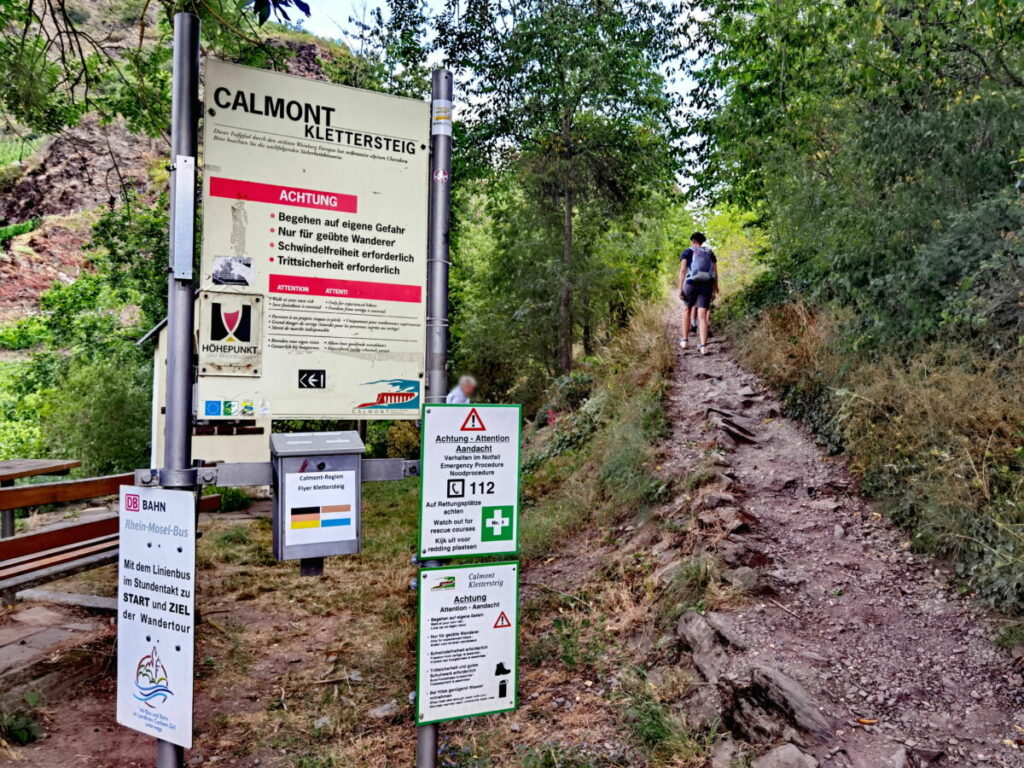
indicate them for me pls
(786, 756)
(768, 705)
(708, 655)
(791, 698)
(702, 707)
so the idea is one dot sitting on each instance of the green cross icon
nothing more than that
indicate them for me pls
(497, 524)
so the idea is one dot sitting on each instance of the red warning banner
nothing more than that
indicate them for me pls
(236, 189)
(344, 289)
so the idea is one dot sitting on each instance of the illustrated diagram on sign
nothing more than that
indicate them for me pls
(467, 641)
(470, 471)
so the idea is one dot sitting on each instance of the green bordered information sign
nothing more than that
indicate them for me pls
(470, 475)
(468, 648)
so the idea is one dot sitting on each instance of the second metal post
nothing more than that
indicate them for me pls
(437, 295)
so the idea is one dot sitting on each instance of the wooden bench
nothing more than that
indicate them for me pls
(65, 549)
(16, 469)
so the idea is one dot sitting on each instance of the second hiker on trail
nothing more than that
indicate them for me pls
(698, 284)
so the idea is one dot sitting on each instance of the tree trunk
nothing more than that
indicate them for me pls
(565, 300)
(588, 322)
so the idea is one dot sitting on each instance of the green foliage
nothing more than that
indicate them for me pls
(13, 230)
(376, 439)
(233, 537)
(571, 106)
(660, 733)
(84, 316)
(687, 589)
(242, 544)
(506, 285)
(567, 393)
(18, 148)
(564, 756)
(234, 499)
(573, 648)
(403, 440)
(20, 436)
(129, 250)
(1010, 636)
(395, 49)
(879, 147)
(598, 462)
(99, 412)
(20, 726)
(25, 333)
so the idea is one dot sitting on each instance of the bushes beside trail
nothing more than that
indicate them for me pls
(591, 453)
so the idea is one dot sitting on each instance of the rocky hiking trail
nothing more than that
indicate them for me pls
(896, 669)
(845, 649)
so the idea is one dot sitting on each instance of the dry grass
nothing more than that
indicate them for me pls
(608, 475)
(787, 342)
(950, 426)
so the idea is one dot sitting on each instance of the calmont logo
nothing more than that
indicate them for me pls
(235, 325)
(448, 582)
(393, 394)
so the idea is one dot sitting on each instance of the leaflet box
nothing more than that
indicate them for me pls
(317, 494)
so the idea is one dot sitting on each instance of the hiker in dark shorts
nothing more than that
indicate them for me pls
(698, 284)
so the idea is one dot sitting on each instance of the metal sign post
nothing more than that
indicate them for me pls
(177, 471)
(437, 296)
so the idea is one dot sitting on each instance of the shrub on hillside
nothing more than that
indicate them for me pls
(25, 333)
(11, 231)
(597, 462)
(99, 412)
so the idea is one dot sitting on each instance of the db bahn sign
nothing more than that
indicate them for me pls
(156, 578)
(470, 475)
(315, 203)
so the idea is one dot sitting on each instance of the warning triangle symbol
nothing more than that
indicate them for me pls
(473, 422)
(502, 621)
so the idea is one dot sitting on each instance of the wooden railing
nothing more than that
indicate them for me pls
(21, 496)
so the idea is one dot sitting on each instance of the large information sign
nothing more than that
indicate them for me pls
(468, 625)
(470, 476)
(314, 249)
(156, 612)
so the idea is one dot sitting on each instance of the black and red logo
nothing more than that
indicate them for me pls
(235, 325)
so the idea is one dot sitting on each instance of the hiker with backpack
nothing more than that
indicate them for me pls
(698, 284)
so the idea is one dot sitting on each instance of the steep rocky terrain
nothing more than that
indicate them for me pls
(83, 167)
(835, 644)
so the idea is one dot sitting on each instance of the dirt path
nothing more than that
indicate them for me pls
(841, 605)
